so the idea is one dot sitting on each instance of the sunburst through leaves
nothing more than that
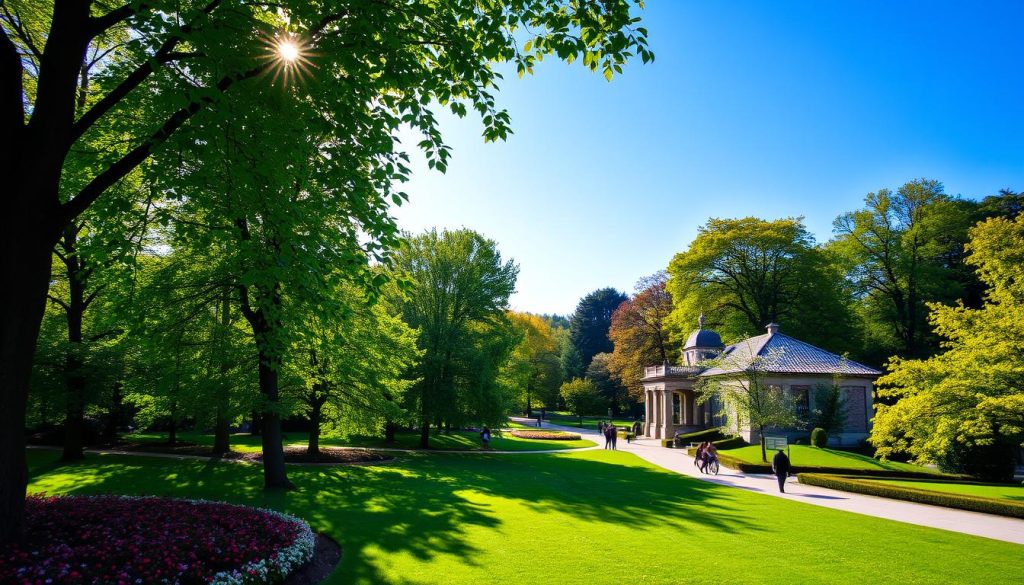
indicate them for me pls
(291, 58)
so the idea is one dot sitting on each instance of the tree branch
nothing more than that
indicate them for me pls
(163, 55)
(134, 158)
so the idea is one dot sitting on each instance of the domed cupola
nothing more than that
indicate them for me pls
(701, 345)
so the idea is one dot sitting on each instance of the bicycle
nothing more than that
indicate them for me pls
(712, 466)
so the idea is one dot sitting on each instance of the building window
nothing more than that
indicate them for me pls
(677, 408)
(801, 396)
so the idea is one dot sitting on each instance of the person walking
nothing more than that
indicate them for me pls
(614, 431)
(607, 437)
(485, 437)
(698, 459)
(780, 465)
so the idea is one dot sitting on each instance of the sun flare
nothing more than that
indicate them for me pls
(288, 51)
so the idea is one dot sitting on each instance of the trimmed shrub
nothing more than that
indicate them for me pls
(699, 437)
(545, 435)
(921, 496)
(819, 437)
(667, 443)
(731, 443)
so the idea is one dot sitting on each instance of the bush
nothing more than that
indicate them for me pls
(819, 437)
(667, 443)
(731, 443)
(921, 496)
(989, 462)
(545, 435)
(699, 437)
(121, 539)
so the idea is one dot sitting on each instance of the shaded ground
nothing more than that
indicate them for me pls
(454, 441)
(588, 517)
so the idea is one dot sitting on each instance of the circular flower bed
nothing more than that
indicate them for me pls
(548, 435)
(131, 540)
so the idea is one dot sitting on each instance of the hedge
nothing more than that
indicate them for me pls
(545, 435)
(700, 437)
(910, 494)
(766, 468)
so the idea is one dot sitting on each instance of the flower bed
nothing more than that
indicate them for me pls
(129, 540)
(546, 435)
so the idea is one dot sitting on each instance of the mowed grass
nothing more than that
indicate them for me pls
(584, 517)
(997, 491)
(455, 441)
(589, 422)
(823, 457)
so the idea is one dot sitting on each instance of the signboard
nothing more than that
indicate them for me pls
(773, 443)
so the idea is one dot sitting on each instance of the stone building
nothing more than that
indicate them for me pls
(791, 365)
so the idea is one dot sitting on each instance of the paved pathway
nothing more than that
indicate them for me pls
(987, 525)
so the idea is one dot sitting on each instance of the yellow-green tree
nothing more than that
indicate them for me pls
(964, 408)
(533, 372)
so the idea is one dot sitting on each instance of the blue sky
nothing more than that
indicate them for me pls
(769, 109)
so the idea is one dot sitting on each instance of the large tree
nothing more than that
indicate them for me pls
(533, 371)
(640, 334)
(746, 273)
(904, 248)
(378, 66)
(589, 325)
(965, 406)
(456, 297)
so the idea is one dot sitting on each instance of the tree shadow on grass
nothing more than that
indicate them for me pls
(421, 505)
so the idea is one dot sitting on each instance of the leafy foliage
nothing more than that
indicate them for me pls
(640, 335)
(746, 273)
(580, 396)
(589, 325)
(972, 393)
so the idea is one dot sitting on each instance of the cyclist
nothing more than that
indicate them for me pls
(710, 454)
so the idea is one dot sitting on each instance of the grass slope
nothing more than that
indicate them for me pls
(1013, 493)
(585, 517)
(456, 441)
(819, 457)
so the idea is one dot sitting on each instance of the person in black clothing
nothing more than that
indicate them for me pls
(780, 465)
(614, 434)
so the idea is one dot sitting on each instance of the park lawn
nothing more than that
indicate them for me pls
(455, 441)
(805, 455)
(589, 422)
(581, 517)
(996, 491)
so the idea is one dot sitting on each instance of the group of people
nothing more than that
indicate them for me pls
(706, 453)
(611, 434)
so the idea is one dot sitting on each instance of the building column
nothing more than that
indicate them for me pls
(647, 412)
(669, 427)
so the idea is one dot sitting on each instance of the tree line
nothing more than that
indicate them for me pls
(167, 150)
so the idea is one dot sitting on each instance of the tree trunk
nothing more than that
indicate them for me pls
(25, 256)
(74, 381)
(172, 432)
(221, 427)
(315, 415)
(425, 435)
(221, 432)
(389, 431)
(274, 474)
(764, 450)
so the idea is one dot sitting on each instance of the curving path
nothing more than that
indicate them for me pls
(986, 525)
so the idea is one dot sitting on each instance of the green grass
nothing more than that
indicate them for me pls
(456, 441)
(584, 517)
(1013, 493)
(822, 457)
(589, 422)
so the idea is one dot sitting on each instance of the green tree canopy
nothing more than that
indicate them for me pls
(746, 273)
(456, 296)
(971, 394)
(589, 325)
